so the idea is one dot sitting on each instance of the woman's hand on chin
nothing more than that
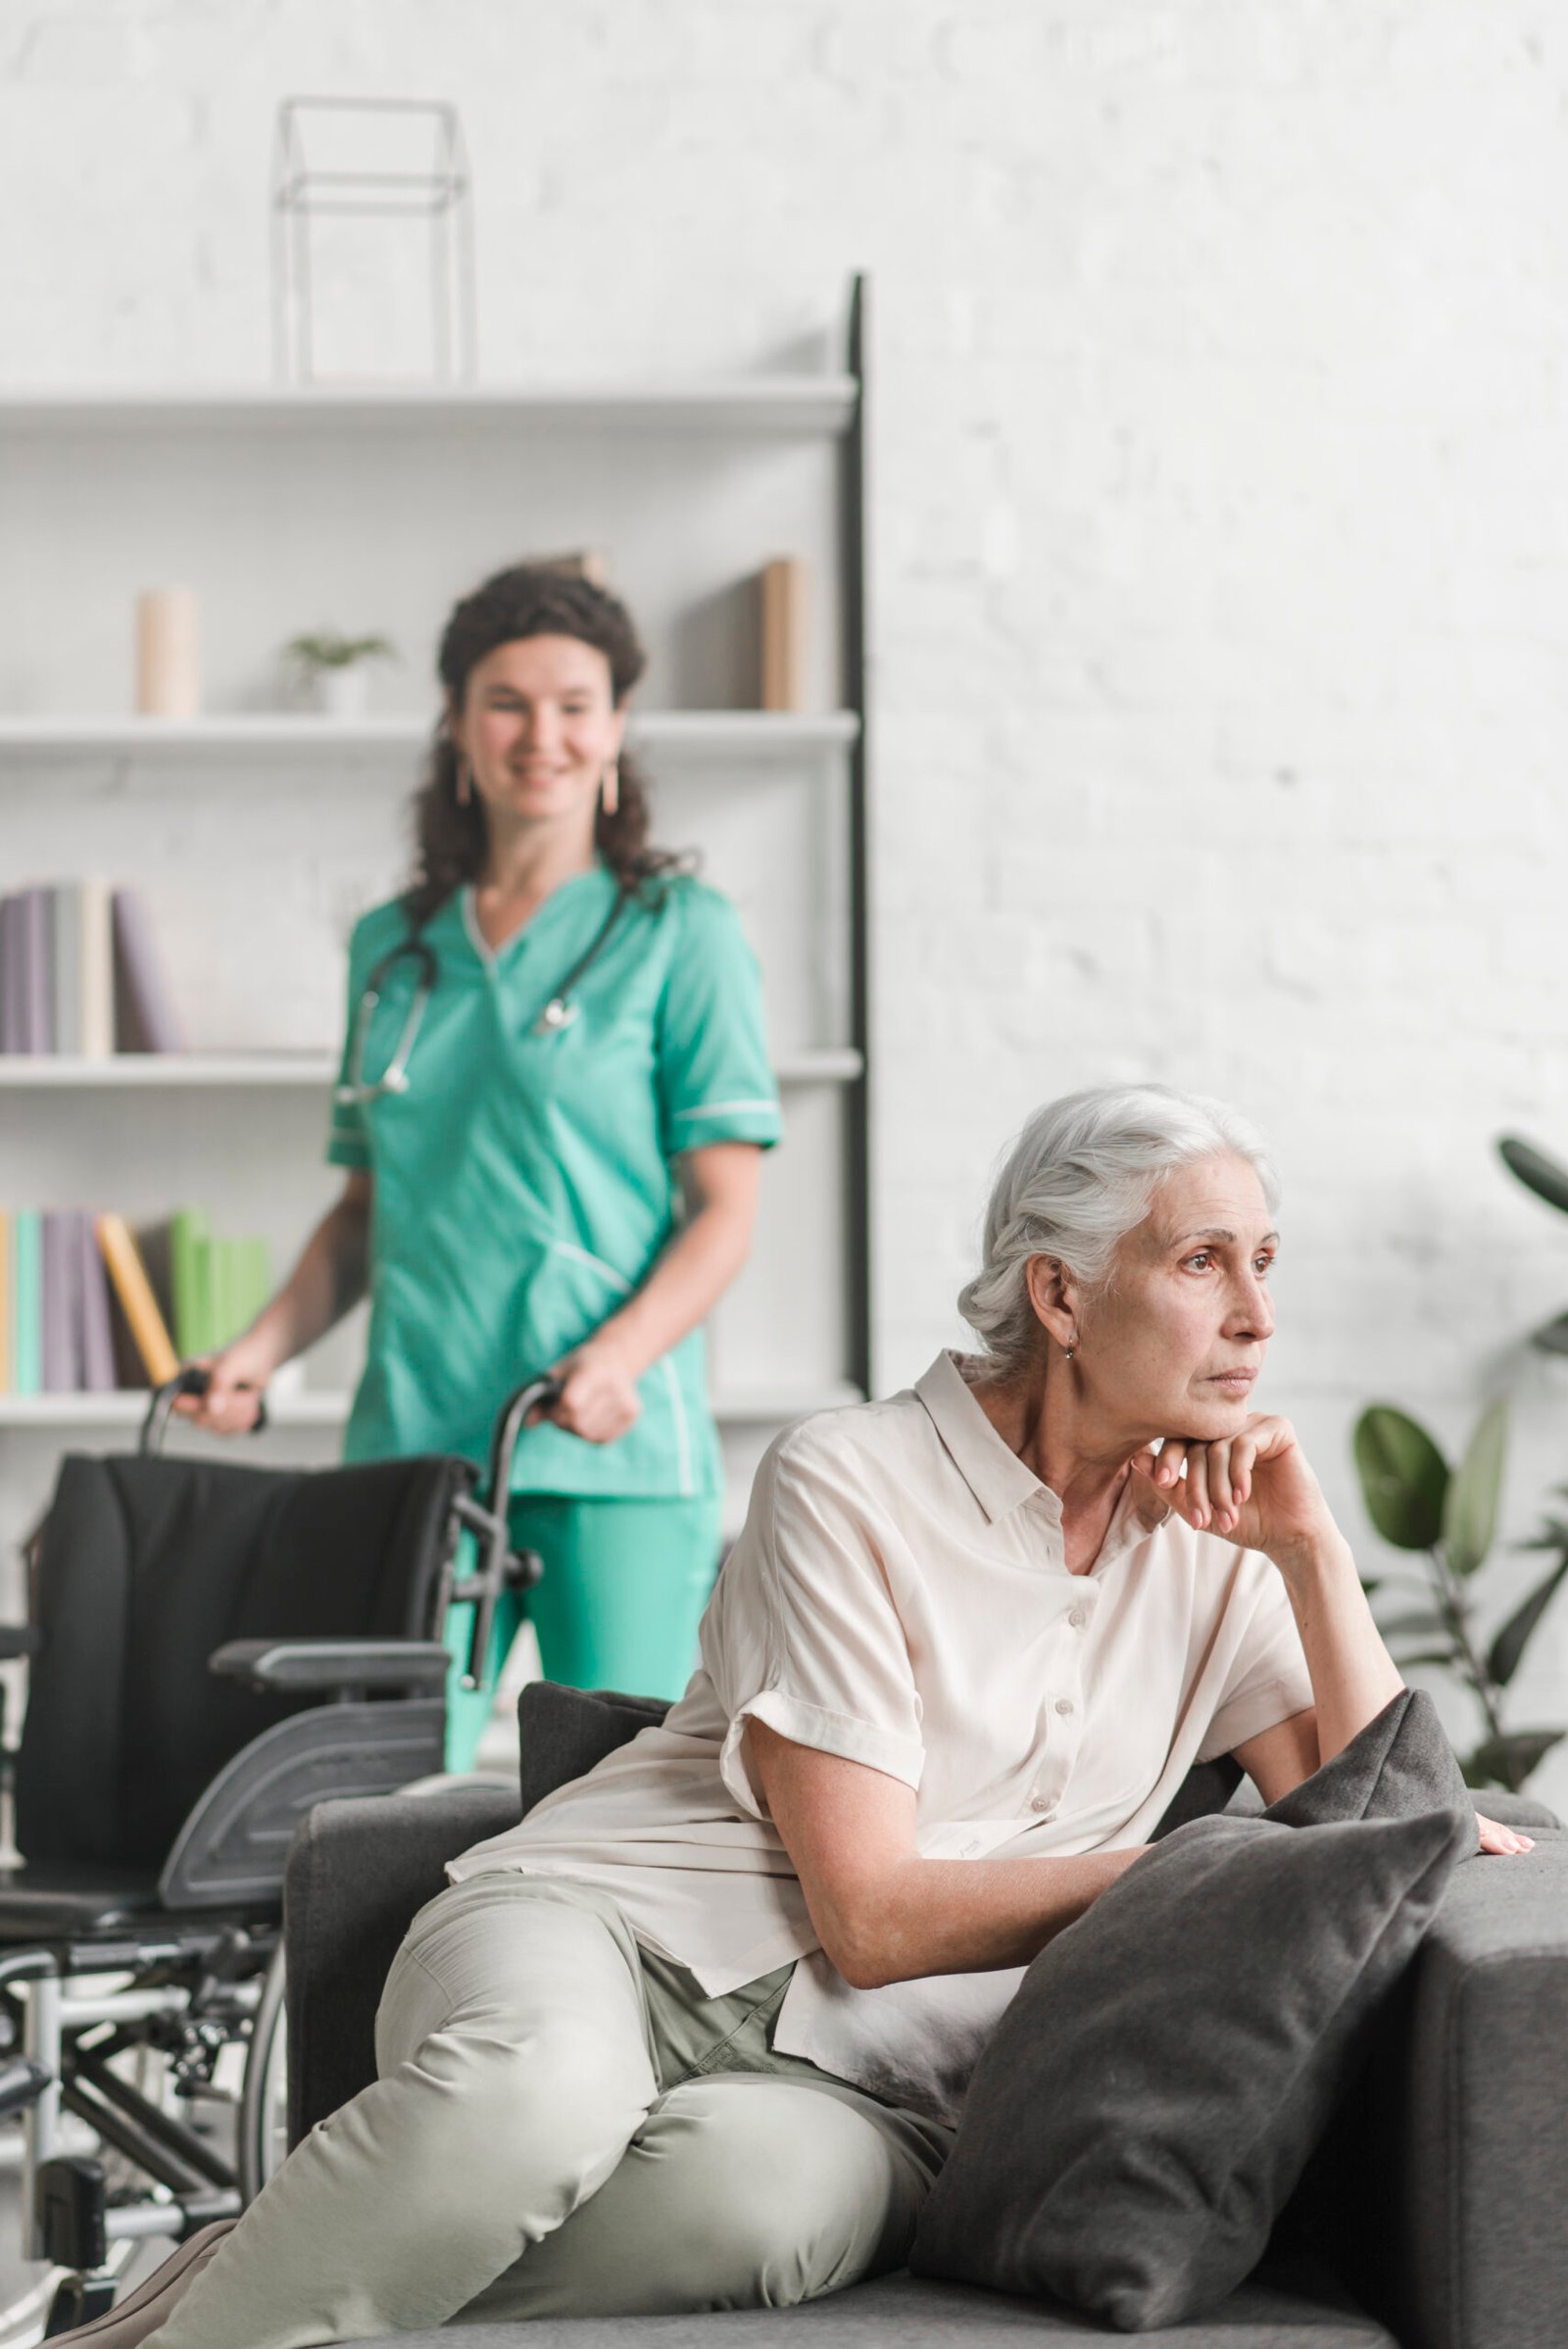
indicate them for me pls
(1255, 1488)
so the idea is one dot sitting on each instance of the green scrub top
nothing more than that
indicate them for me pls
(524, 1184)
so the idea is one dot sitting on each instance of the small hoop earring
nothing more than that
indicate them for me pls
(1071, 1350)
(609, 788)
(465, 783)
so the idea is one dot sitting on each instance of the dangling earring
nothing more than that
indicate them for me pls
(465, 783)
(609, 788)
(1072, 1350)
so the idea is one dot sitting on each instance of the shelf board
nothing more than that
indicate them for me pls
(683, 733)
(745, 1406)
(836, 1065)
(815, 406)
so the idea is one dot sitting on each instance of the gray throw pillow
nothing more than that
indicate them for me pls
(1151, 2098)
(1400, 1765)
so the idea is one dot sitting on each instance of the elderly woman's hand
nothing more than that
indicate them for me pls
(1256, 1488)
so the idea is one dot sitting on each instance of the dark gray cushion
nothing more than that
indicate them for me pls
(1152, 2095)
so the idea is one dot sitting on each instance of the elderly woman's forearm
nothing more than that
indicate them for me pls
(1354, 1676)
(921, 1917)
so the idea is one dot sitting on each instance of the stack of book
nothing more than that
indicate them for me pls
(86, 1304)
(80, 974)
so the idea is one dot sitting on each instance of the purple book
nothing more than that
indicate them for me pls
(145, 1018)
(37, 975)
(10, 975)
(61, 1301)
(98, 1371)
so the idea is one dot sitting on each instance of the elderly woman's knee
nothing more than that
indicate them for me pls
(768, 2192)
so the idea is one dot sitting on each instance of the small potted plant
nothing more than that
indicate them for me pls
(333, 671)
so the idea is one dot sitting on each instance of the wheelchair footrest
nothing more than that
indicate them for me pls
(78, 2300)
(71, 2212)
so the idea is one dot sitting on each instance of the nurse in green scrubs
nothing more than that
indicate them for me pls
(568, 1181)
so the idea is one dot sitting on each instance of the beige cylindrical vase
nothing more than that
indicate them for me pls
(168, 678)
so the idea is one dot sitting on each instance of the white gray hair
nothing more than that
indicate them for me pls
(1078, 1178)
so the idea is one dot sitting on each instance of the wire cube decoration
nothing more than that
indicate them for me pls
(340, 160)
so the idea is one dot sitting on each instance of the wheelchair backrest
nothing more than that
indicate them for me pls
(143, 1568)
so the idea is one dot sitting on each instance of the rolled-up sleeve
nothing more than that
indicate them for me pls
(713, 1076)
(1268, 1682)
(802, 1633)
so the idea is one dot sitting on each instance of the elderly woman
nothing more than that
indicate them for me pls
(694, 2034)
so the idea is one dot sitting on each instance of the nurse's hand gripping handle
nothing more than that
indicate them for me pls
(500, 1567)
(192, 1380)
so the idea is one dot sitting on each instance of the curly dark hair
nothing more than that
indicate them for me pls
(450, 834)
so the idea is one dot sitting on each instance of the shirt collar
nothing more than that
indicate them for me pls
(999, 1479)
(992, 1470)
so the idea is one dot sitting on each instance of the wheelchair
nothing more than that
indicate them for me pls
(212, 1648)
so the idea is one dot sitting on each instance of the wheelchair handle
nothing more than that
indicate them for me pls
(496, 1538)
(191, 1379)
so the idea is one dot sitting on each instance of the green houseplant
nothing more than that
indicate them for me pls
(335, 670)
(1449, 1516)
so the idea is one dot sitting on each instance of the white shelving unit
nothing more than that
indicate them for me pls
(161, 1071)
(224, 742)
(257, 834)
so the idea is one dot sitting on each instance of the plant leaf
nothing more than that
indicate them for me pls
(1428, 1655)
(1509, 1760)
(1553, 1336)
(1502, 1660)
(1404, 1478)
(1470, 1509)
(1543, 1175)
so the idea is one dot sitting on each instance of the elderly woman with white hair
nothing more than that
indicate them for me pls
(695, 2033)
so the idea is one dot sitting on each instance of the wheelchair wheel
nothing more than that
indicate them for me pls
(261, 2123)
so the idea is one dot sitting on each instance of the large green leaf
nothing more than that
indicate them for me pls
(1509, 1760)
(1502, 1661)
(1470, 1509)
(1404, 1478)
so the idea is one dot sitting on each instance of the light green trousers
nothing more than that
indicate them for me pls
(563, 2126)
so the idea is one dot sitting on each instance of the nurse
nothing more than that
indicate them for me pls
(567, 1179)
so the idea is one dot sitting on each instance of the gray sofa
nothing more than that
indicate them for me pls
(1436, 2217)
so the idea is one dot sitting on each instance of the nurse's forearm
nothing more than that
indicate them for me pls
(329, 1279)
(686, 1282)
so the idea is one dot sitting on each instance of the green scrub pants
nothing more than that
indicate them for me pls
(624, 1585)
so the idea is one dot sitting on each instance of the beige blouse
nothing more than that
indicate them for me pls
(898, 1596)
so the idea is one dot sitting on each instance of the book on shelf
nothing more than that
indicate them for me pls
(80, 976)
(89, 1305)
(784, 590)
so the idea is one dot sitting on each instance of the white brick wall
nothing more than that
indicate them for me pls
(1222, 479)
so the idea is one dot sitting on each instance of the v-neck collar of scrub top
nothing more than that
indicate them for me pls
(589, 891)
(1002, 1482)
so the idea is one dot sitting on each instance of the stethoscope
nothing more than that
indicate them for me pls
(558, 1014)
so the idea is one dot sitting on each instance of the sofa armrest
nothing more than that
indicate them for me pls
(357, 1872)
(1475, 2096)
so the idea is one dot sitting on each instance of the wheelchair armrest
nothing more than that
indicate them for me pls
(19, 1639)
(283, 1666)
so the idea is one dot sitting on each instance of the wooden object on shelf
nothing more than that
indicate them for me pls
(785, 615)
(138, 1301)
(168, 653)
(587, 563)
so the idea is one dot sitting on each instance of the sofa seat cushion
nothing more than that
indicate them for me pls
(1297, 2308)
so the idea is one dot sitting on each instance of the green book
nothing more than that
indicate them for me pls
(190, 1252)
(251, 1280)
(26, 1301)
